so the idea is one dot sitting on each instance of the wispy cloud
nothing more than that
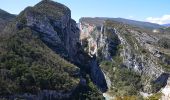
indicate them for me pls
(159, 20)
(131, 17)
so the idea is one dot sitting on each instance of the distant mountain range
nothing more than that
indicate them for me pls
(5, 17)
(167, 25)
(100, 20)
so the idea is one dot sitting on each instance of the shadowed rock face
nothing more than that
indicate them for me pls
(97, 76)
(162, 80)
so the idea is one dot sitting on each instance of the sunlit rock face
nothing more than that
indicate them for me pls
(57, 29)
(94, 38)
(128, 47)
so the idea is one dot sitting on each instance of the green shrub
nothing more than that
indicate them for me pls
(87, 92)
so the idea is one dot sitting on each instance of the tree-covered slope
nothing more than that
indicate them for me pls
(28, 65)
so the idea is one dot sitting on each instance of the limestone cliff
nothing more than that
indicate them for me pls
(126, 46)
(57, 28)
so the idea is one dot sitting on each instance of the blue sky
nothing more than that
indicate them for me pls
(156, 11)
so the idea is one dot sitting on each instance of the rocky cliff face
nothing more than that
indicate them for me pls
(126, 46)
(57, 28)
(95, 41)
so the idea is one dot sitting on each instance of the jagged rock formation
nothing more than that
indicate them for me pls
(57, 28)
(130, 47)
(95, 40)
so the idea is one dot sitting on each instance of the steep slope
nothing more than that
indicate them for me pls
(41, 57)
(5, 18)
(132, 58)
(29, 66)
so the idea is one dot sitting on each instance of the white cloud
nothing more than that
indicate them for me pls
(131, 17)
(159, 20)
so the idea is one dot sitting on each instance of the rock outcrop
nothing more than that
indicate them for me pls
(95, 40)
(56, 28)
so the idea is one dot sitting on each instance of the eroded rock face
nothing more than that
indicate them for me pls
(95, 40)
(138, 48)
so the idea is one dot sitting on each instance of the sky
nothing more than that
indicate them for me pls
(155, 11)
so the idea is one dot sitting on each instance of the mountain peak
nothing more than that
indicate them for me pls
(52, 8)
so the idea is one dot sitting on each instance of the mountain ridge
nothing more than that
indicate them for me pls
(141, 24)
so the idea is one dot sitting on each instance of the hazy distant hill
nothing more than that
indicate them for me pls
(5, 17)
(167, 25)
(100, 20)
(138, 23)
